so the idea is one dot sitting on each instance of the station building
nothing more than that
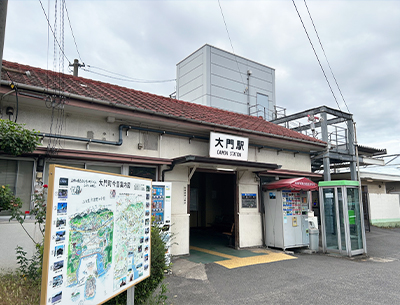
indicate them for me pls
(215, 159)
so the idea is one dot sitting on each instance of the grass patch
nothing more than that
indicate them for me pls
(15, 289)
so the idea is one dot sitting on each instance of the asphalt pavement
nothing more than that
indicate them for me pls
(309, 279)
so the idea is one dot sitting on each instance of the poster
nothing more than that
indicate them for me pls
(97, 241)
(161, 213)
(249, 200)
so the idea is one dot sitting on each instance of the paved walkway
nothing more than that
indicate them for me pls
(241, 258)
(304, 279)
(209, 247)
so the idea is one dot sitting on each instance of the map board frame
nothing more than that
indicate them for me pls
(90, 257)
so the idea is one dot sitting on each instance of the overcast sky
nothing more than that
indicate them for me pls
(146, 39)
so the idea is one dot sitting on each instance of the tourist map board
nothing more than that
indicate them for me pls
(97, 241)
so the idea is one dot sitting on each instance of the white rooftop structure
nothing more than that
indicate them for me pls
(216, 78)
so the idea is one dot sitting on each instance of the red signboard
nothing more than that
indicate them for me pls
(302, 183)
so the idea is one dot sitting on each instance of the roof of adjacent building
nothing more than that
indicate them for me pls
(138, 100)
(370, 151)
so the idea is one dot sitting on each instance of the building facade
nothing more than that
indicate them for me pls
(103, 127)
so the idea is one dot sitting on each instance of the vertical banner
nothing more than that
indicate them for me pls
(97, 240)
(161, 212)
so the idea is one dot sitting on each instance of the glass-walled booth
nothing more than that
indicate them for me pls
(342, 221)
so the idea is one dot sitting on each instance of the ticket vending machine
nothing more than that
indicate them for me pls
(286, 212)
(161, 211)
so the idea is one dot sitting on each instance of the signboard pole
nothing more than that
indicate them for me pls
(130, 296)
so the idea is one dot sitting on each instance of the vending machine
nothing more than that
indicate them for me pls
(286, 213)
(161, 211)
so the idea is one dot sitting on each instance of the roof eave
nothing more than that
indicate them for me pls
(320, 145)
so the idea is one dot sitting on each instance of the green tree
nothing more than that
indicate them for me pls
(15, 139)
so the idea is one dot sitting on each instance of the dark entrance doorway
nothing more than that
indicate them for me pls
(212, 209)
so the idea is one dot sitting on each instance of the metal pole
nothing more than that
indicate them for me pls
(3, 18)
(248, 91)
(130, 296)
(325, 138)
(360, 191)
(353, 146)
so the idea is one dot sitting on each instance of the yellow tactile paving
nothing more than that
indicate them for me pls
(254, 260)
(236, 262)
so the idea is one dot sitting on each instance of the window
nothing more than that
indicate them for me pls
(143, 172)
(59, 162)
(107, 169)
(96, 167)
(263, 106)
(17, 174)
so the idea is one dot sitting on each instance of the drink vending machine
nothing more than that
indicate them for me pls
(161, 212)
(287, 203)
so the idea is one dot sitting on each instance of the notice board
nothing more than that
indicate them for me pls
(97, 239)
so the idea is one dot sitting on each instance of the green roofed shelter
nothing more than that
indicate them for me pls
(342, 221)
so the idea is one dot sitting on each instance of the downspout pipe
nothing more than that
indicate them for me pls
(262, 207)
(167, 170)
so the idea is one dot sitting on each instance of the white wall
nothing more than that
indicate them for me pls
(375, 187)
(384, 209)
(179, 216)
(250, 229)
(192, 80)
(13, 235)
(288, 160)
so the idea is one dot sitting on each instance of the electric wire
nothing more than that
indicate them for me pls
(326, 58)
(316, 55)
(127, 79)
(230, 40)
(13, 86)
(72, 32)
(54, 35)
(48, 47)
(323, 50)
(351, 134)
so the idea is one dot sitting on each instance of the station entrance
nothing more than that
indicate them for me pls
(213, 209)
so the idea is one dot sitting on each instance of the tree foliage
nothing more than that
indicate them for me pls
(7, 199)
(145, 288)
(15, 139)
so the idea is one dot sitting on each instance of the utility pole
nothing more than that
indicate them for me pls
(76, 65)
(3, 18)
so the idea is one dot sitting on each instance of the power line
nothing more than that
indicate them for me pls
(125, 78)
(323, 50)
(54, 35)
(309, 39)
(69, 21)
(226, 27)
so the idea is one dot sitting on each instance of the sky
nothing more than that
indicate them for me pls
(144, 40)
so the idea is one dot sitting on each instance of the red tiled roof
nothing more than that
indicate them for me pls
(141, 100)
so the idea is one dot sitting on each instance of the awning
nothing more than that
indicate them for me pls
(299, 184)
(208, 162)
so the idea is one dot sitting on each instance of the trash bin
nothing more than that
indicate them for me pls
(314, 239)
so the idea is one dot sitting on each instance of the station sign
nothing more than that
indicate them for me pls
(225, 146)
